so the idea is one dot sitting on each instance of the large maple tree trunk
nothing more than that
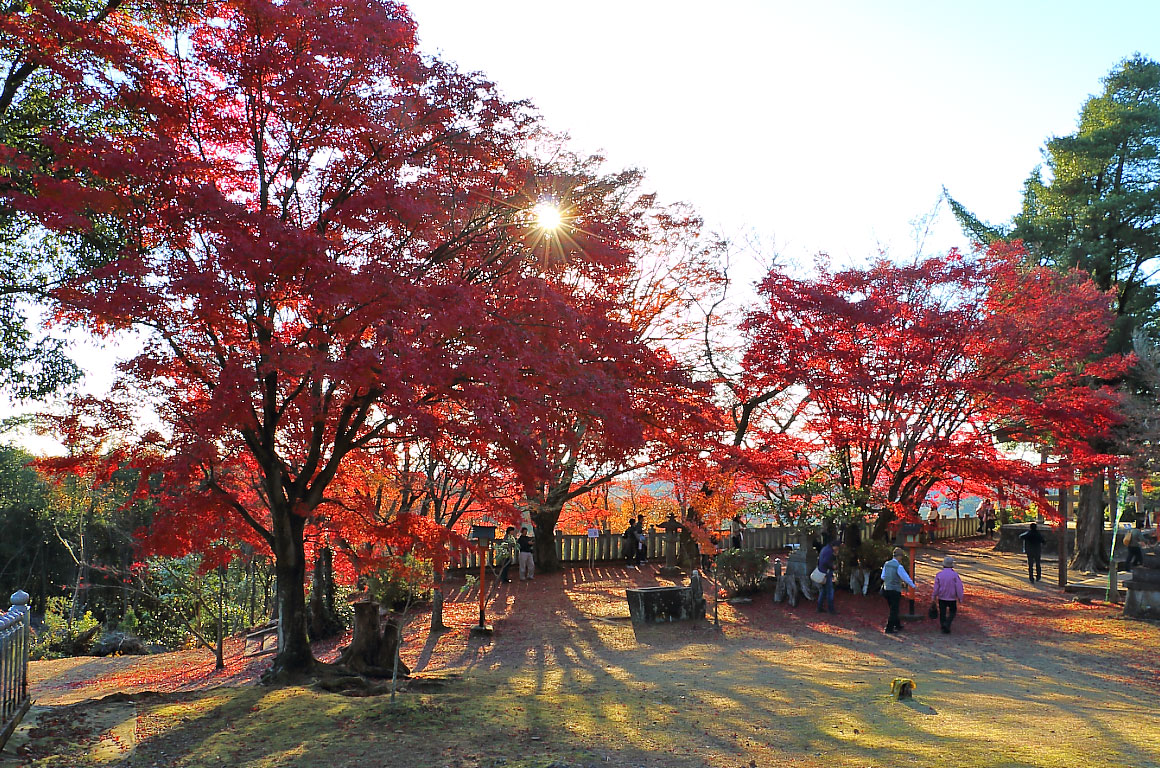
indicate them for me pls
(324, 621)
(290, 570)
(882, 523)
(374, 645)
(1089, 528)
(544, 520)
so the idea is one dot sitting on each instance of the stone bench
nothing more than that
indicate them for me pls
(656, 605)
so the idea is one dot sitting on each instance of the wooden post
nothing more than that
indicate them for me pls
(482, 590)
(483, 535)
(1064, 504)
(999, 516)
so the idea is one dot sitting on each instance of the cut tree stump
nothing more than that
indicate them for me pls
(374, 644)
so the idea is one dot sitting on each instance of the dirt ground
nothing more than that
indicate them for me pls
(1029, 677)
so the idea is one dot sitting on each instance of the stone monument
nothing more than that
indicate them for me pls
(1143, 600)
(795, 582)
(656, 605)
(670, 527)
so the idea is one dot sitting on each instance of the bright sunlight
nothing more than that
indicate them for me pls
(547, 216)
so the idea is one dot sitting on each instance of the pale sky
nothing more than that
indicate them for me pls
(821, 126)
(812, 125)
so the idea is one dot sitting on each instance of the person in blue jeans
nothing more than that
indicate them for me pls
(826, 561)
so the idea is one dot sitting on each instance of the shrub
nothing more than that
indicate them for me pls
(159, 626)
(740, 571)
(59, 637)
(401, 584)
(872, 554)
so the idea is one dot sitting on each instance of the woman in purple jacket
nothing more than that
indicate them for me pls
(948, 590)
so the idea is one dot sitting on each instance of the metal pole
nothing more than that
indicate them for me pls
(1064, 504)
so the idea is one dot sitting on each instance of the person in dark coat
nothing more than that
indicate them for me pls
(826, 562)
(1033, 547)
(507, 552)
(641, 542)
(527, 558)
(1136, 546)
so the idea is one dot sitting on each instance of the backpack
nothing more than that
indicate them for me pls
(1128, 539)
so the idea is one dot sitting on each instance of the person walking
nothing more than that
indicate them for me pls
(987, 519)
(506, 553)
(641, 542)
(1033, 547)
(893, 577)
(735, 531)
(527, 561)
(948, 591)
(1135, 546)
(826, 562)
(629, 544)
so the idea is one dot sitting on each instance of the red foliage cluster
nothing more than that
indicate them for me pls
(328, 241)
(901, 378)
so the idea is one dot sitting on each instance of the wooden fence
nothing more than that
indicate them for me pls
(580, 548)
(15, 641)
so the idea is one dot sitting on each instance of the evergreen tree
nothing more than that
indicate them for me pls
(1094, 205)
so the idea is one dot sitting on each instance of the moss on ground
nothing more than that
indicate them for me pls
(840, 718)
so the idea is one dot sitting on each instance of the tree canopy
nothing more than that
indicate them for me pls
(1094, 204)
(332, 252)
(907, 376)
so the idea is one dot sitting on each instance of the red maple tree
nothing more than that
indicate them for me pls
(617, 397)
(907, 376)
(330, 249)
(320, 219)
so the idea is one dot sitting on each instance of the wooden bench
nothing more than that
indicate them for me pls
(257, 642)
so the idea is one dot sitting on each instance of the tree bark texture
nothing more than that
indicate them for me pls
(324, 620)
(1138, 490)
(294, 653)
(1089, 528)
(882, 523)
(544, 520)
(220, 644)
(374, 644)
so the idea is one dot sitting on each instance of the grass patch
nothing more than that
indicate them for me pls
(1031, 681)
